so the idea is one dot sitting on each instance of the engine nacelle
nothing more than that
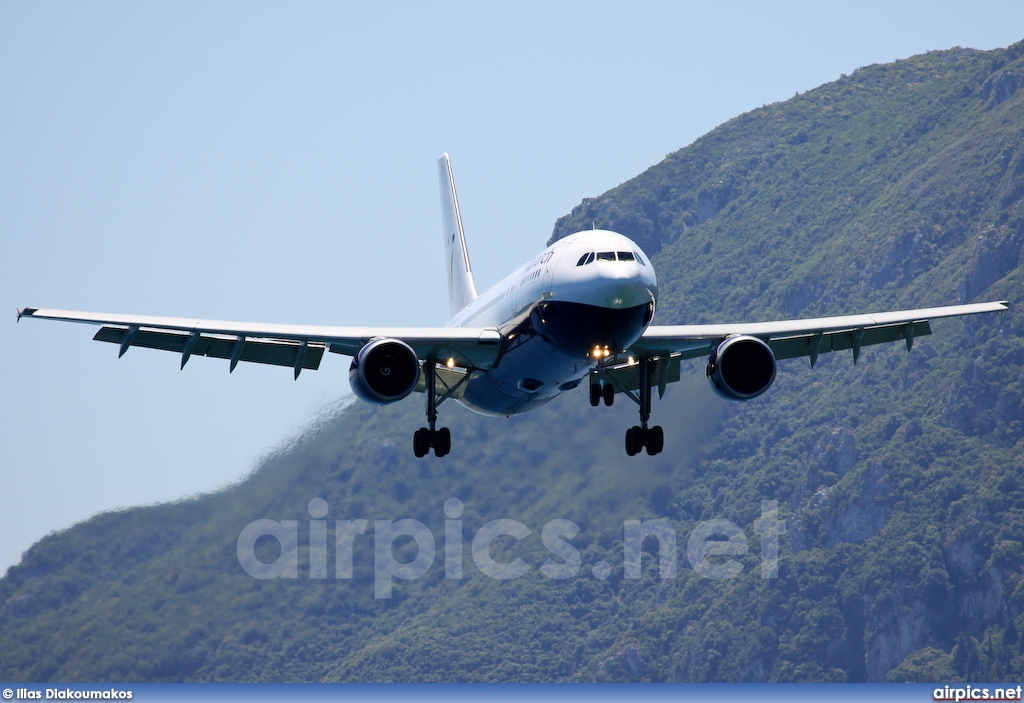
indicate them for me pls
(741, 368)
(384, 371)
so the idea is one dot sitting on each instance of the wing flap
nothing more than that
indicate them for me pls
(841, 340)
(260, 351)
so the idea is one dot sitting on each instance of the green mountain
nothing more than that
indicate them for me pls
(899, 479)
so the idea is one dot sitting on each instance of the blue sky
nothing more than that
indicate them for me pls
(276, 162)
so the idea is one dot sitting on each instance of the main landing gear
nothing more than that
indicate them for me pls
(638, 437)
(427, 438)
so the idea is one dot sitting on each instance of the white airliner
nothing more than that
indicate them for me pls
(580, 310)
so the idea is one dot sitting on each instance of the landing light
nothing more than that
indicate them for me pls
(631, 361)
(450, 363)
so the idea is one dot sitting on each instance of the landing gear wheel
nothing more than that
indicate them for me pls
(634, 440)
(655, 440)
(421, 442)
(442, 442)
(638, 438)
(595, 394)
(609, 394)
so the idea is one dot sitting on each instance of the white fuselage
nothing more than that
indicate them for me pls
(592, 289)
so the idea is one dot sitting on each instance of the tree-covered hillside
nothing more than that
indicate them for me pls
(899, 479)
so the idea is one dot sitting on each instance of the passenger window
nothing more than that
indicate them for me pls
(606, 256)
(625, 255)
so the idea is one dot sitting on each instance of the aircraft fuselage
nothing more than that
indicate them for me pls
(587, 293)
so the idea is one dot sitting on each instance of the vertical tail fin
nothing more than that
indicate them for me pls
(461, 288)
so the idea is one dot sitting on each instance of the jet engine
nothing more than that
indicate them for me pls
(384, 371)
(741, 368)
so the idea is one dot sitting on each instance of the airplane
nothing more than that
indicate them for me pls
(581, 310)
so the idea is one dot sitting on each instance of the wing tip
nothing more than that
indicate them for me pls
(26, 311)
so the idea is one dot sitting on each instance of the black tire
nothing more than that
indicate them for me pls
(442, 442)
(634, 441)
(655, 440)
(421, 442)
(595, 394)
(609, 394)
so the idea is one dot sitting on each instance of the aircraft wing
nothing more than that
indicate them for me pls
(297, 346)
(795, 338)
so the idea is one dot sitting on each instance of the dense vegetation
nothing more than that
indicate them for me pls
(900, 478)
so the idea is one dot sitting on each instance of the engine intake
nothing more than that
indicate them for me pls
(741, 368)
(384, 371)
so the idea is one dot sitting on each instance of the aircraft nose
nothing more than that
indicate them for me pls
(624, 286)
(611, 283)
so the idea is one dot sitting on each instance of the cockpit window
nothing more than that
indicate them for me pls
(610, 256)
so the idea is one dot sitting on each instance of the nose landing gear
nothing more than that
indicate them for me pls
(599, 391)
